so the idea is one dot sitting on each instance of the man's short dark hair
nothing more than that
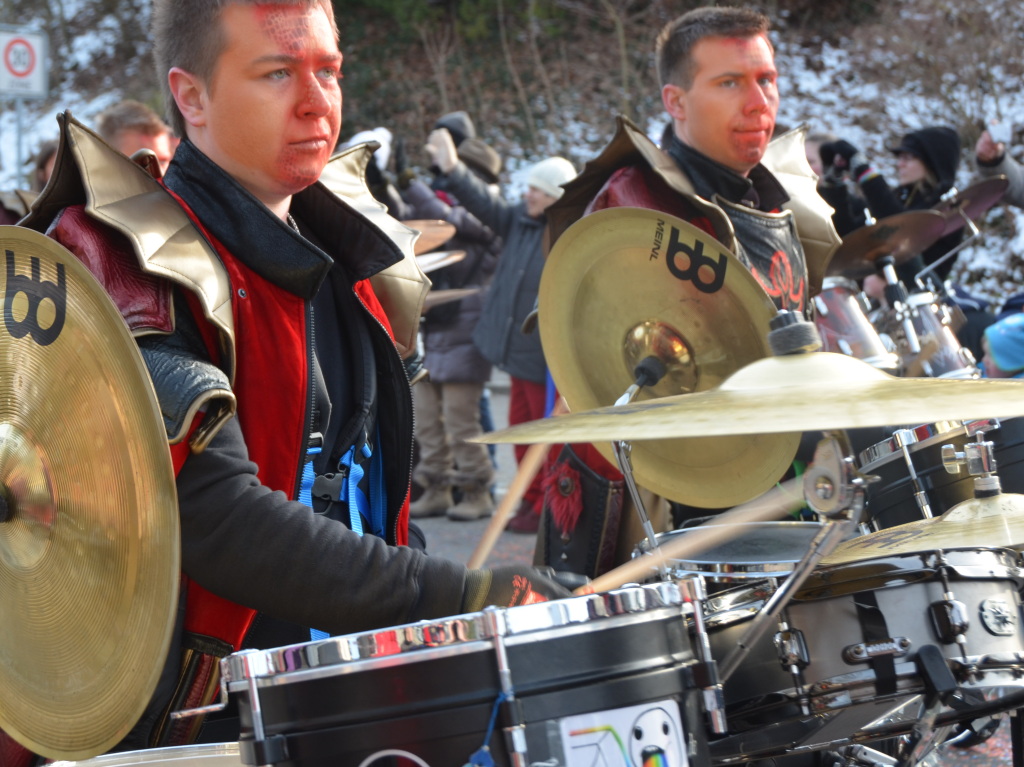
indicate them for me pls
(187, 34)
(674, 47)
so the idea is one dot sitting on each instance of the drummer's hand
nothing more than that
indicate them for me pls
(988, 150)
(508, 586)
(442, 150)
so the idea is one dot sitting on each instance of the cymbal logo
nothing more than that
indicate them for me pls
(36, 290)
(697, 261)
(659, 236)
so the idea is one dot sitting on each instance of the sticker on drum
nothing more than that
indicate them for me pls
(206, 755)
(891, 498)
(653, 732)
(844, 327)
(858, 629)
(760, 550)
(437, 690)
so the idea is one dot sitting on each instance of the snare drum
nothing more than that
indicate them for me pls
(556, 682)
(891, 499)
(860, 628)
(840, 317)
(941, 354)
(761, 550)
(210, 755)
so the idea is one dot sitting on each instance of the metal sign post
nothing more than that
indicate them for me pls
(23, 73)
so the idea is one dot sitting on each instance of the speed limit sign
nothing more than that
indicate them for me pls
(22, 63)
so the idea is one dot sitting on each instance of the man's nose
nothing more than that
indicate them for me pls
(316, 100)
(757, 99)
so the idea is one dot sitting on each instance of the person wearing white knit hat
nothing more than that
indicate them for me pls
(548, 175)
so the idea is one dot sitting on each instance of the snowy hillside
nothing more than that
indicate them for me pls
(850, 87)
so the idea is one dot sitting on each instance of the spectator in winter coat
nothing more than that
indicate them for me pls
(448, 413)
(994, 160)
(513, 292)
(927, 161)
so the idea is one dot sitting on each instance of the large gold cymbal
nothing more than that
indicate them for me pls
(619, 285)
(89, 542)
(901, 236)
(979, 522)
(433, 232)
(810, 392)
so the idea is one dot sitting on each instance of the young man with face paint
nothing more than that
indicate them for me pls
(273, 313)
(719, 86)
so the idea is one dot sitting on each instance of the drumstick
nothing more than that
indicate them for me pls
(777, 502)
(528, 468)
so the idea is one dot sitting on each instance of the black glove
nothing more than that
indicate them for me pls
(844, 156)
(508, 586)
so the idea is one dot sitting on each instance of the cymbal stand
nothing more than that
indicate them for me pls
(921, 277)
(896, 297)
(648, 372)
(834, 489)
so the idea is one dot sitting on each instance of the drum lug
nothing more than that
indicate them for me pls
(949, 619)
(862, 652)
(792, 649)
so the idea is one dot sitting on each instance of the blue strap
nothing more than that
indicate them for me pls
(360, 508)
(306, 497)
(308, 475)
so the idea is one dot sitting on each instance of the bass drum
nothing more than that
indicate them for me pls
(892, 499)
(586, 680)
(210, 755)
(849, 664)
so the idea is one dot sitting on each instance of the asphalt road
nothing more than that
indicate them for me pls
(459, 540)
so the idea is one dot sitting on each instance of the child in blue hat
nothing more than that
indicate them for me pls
(1004, 348)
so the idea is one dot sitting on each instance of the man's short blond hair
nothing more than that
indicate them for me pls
(188, 34)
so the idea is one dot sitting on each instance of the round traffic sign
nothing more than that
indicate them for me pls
(19, 57)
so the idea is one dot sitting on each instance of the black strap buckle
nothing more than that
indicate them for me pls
(327, 487)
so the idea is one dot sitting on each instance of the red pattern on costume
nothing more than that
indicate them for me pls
(565, 507)
(781, 285)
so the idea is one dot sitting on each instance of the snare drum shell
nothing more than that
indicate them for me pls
(890, 499)
(845, 695)
(436, 702)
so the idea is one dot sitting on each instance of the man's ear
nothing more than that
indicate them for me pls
(189, 94)
(672, 96)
